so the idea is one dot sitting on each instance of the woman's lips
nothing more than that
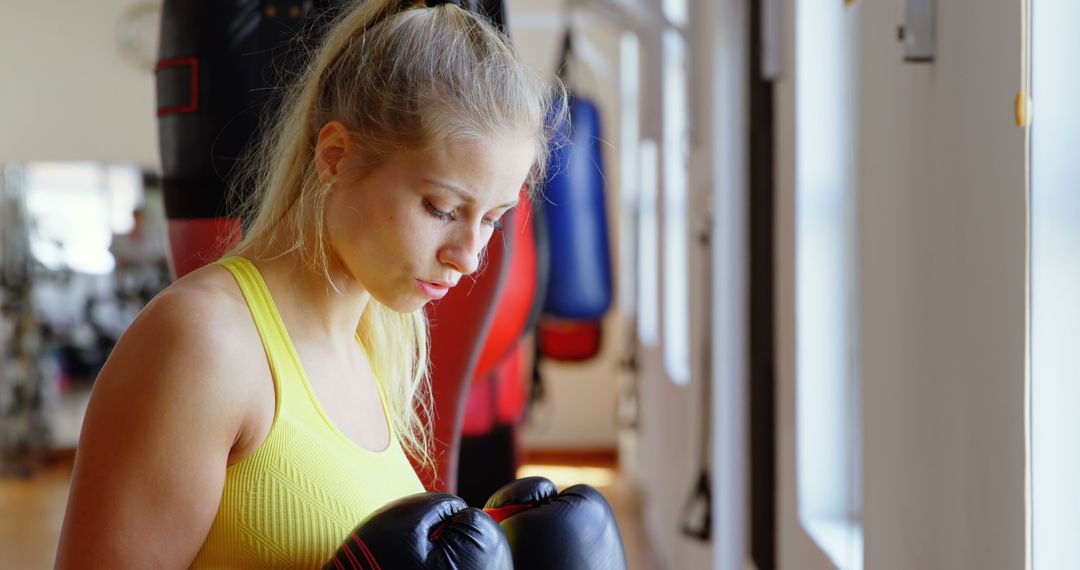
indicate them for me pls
(435, 292)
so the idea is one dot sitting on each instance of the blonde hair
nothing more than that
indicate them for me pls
(399, 77)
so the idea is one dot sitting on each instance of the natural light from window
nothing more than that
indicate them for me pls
(629, 135)
(74, 208)
(827, 412)
(648, 238)
(1055, 286)
(676, 317)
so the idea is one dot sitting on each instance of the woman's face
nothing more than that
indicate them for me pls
(409, 228)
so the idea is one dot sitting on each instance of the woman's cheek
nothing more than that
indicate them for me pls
(422, 232)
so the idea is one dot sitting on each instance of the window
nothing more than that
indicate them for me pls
(629, 173)
(73, 209)
(1055, 286)
(676, 11)
(827, 410)
(676, 226)
(648, 238)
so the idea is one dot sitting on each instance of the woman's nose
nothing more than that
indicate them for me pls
(462, 252)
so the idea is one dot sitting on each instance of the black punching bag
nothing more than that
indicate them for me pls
(221, 64)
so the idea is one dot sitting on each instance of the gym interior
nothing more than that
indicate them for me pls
(819, 266)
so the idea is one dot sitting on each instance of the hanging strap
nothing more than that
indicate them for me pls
(696, 519)
(564, 53)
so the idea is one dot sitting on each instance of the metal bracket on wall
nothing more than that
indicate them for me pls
(919, 32)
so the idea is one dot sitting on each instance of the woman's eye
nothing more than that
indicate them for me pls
(495, 223)
(449, 216)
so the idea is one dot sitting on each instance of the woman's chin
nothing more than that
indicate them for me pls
(403, 304)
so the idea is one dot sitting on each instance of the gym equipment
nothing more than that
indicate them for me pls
(579, 280)
(220, 65)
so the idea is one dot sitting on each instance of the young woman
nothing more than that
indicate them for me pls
(260, 407)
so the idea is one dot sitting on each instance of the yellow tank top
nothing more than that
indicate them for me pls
(301, 492)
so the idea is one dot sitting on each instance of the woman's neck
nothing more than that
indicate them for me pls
(311, 306)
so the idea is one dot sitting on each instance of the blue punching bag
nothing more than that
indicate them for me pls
(579, 279)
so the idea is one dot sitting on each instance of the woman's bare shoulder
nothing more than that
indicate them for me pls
(202, 320)
(191, 340)
(165, 412)
(207, 295)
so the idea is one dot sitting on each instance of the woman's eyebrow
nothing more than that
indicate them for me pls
(463, 194)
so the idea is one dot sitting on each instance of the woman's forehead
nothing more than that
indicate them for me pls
(480, 169)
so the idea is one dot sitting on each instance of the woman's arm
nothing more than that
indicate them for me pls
(165, 412)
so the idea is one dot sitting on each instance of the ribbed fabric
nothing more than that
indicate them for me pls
(301, 492)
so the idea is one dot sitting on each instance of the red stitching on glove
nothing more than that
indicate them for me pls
(437, 532)
(367, 552)
(349, 553)
(502, 513)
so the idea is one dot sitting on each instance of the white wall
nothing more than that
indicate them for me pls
(940, 191)
(68, 92)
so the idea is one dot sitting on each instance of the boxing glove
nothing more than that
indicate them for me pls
(571, 530)
(426, 531)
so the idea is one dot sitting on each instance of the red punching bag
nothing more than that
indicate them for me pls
(460, 325)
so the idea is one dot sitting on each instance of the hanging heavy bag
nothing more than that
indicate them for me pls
(579, 280)
(461, 325)
(218, 63)
(496, 399)
(579, 287)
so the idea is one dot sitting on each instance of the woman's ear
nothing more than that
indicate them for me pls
(331, 148)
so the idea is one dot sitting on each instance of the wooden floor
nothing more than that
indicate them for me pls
(32, 509)
(31, 512)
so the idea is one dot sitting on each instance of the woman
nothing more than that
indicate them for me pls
(260, 407)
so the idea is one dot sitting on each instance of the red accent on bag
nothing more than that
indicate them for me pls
(192, 105)
(567, 340)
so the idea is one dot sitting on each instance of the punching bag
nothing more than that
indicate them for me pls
(515, 305)
(579, 279)
(219, 62)
(496, 400)
(460, 325)
(579, 287)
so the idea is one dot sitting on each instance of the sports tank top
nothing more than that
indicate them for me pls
(293, 501)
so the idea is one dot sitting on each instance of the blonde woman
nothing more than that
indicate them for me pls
(261, 406)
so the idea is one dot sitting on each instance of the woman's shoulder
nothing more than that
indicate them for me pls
(164, 417)
(199, 326)
(209, 292)
(204, 304)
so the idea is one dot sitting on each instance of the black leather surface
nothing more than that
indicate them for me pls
(571, 530)
(429, 531)
(243, 52)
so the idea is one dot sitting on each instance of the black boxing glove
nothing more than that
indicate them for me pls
(571, 530)
(429, 531)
